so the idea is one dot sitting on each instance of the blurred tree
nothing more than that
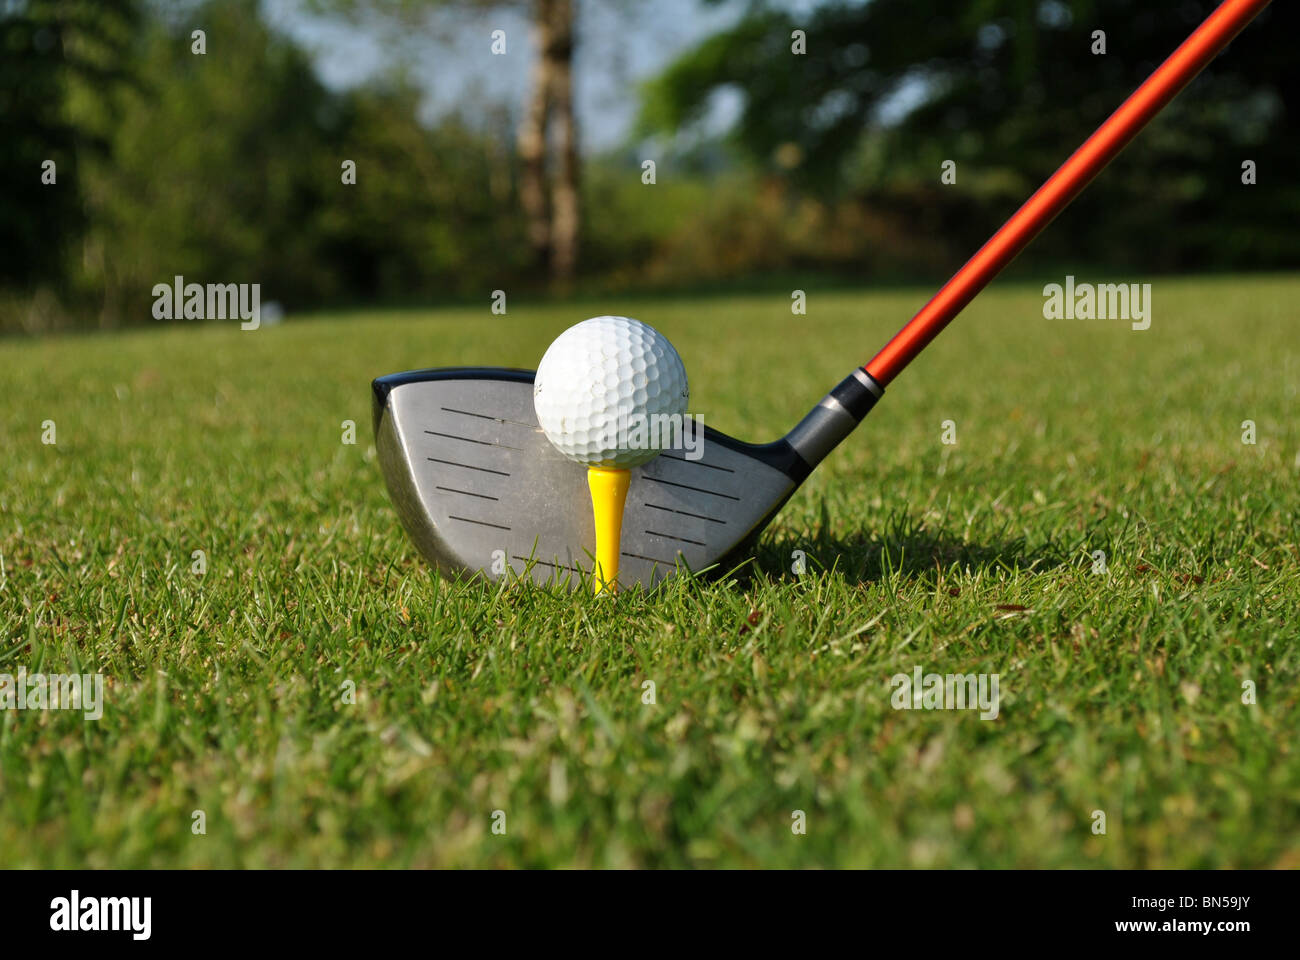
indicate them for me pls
(228, 167)
(220, 164)
(554, 216)
(889, 90)
(49, 51)
(555, 236)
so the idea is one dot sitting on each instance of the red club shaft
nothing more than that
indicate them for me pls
(1065, 184)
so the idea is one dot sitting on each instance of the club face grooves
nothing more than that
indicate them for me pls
(480, 489)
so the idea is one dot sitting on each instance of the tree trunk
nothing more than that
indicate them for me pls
(565, 214)
(532, 138)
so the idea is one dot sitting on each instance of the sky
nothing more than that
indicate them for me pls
(620, 43)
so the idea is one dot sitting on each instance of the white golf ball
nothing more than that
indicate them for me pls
(599, 380)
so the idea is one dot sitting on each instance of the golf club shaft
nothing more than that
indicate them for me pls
(1064, 185)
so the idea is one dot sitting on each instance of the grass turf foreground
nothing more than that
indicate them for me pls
(1121, 691)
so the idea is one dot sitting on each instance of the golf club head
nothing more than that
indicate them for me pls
(481, 490)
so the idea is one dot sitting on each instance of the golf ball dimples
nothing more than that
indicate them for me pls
(597, 379)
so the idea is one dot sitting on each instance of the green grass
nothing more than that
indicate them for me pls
(1120, 692)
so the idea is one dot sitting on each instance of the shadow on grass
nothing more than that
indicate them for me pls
(906, 546)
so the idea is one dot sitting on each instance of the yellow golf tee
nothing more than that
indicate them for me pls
(608, 495)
